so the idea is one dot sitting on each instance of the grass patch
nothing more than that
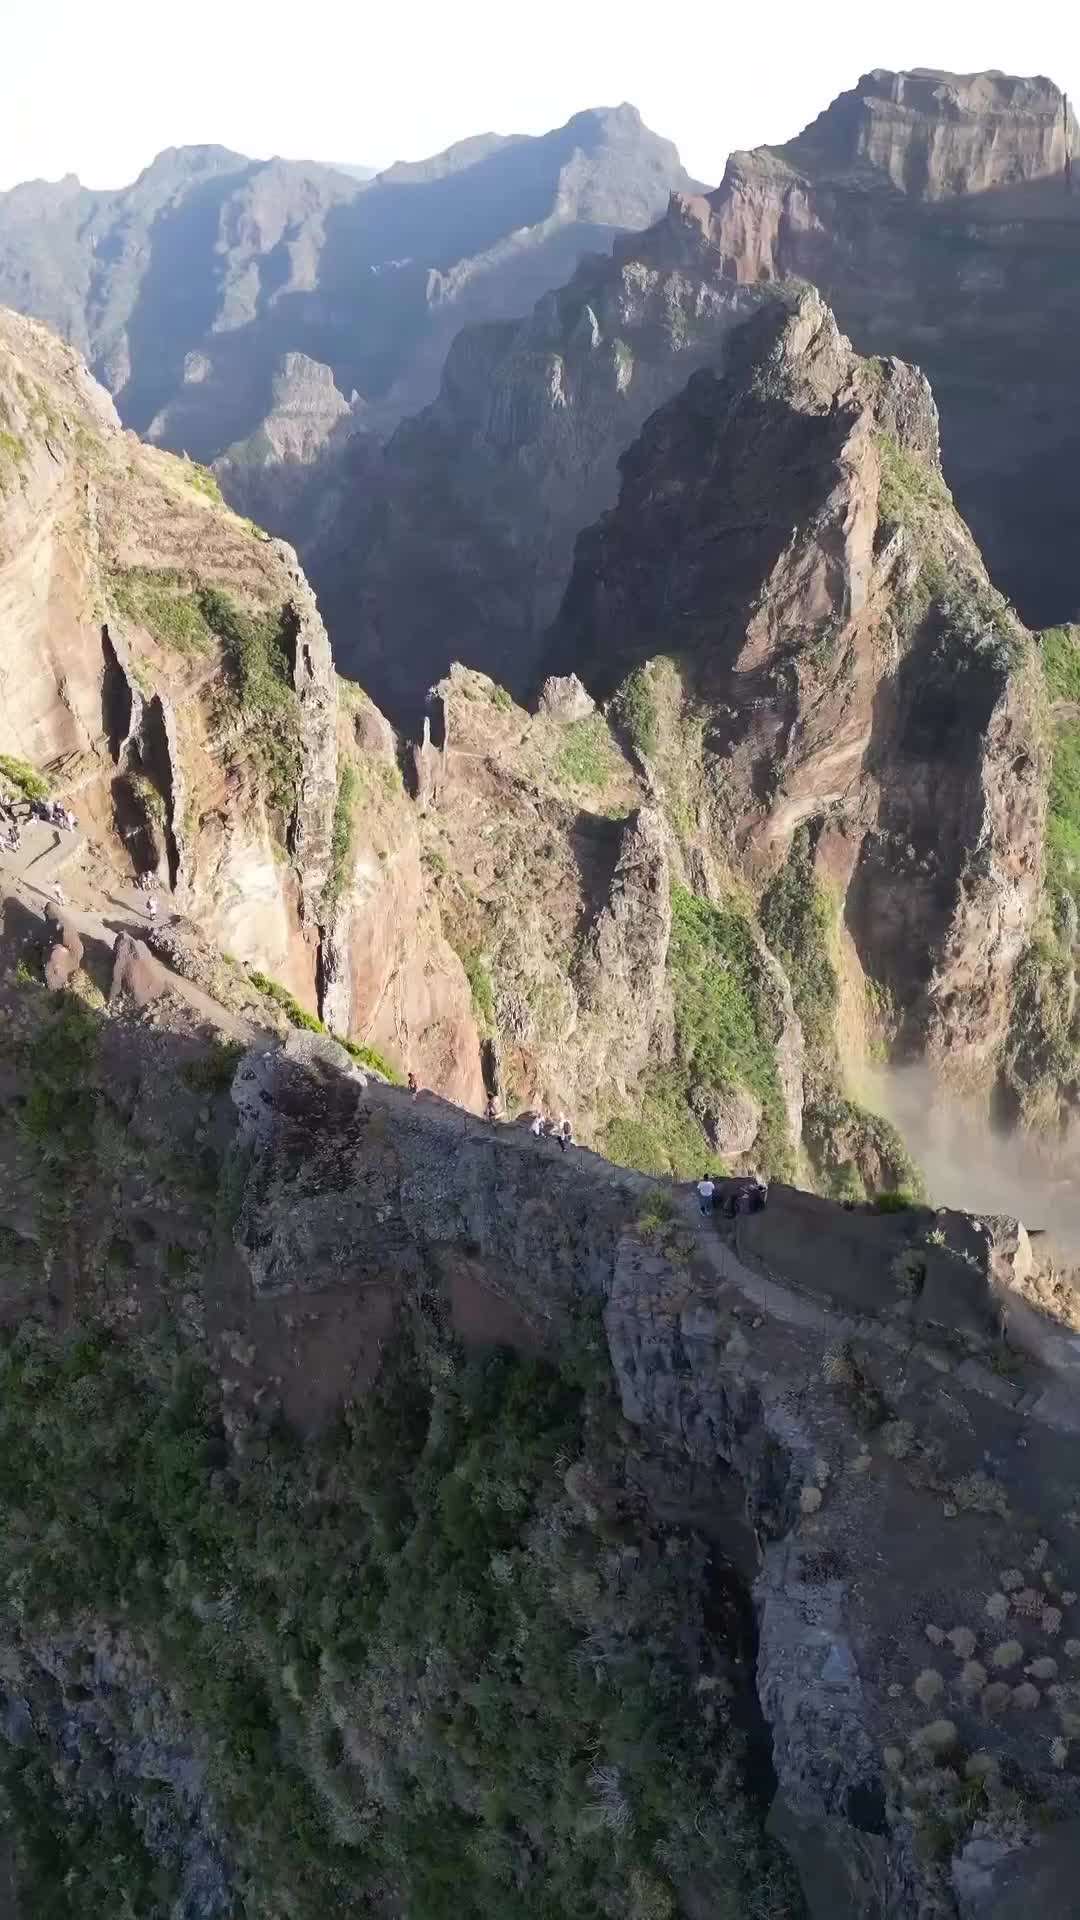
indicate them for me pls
(585, 757)
(298, 1016)
(31, 784)
(660, 1134)
(1059, 651)
(910, 490)
(12, 447)
(165, 604)
(201, 480)
(341, 836)
(798, 921)
(724, 1023)
(724, 1026)
(481, 987)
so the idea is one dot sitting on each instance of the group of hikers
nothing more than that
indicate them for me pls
(545, 1128)
(52, 812)
(747, 1193)
(541, 1126)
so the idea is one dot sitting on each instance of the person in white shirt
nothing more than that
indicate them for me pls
(706, 1188)
(537, 1128)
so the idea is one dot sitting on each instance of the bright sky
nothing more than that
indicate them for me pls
(98, 89)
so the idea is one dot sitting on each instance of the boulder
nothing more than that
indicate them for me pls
(730, 1117)
(562, 697)
(65, 934)
(136, 972)
(60, 968)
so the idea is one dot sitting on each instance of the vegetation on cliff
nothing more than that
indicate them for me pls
(725, 1036)
(1039, 1062)
(851, 1150)
(439, 1656)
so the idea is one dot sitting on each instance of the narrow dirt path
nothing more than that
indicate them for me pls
(30, 877)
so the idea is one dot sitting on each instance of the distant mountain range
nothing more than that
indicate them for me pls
(932, 211)
(186, 290)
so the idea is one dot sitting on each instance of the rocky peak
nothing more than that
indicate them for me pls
(784, 533)
(938, 135)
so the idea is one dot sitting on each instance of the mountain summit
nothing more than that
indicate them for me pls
(185, 290)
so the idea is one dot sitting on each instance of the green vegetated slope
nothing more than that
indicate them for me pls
(851, 1151)
(725, 1033)
(438, 1658)
(1040, 1067)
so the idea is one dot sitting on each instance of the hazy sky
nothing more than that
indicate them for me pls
(98, 89)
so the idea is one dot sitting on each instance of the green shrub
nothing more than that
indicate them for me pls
(724, 1026)
(32, 785)
(659, 1133)
(298, 1016)
(899, 1201)
(501, 699)
(635, 710)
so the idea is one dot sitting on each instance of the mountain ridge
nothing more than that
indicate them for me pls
(186, 288)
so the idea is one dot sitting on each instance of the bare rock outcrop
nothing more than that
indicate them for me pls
(620, 972)
(828, 1386)
(919, 204)
(790, 525)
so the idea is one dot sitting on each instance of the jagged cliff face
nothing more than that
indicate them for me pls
(931, 210)
(812, 689)
(785, 536)
(456, 541)
(192, 291)
(166, 665)
(278, 1662)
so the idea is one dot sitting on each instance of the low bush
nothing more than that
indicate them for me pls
(31, 784)
(901, 1200)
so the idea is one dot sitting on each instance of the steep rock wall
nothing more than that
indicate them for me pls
(785, 535)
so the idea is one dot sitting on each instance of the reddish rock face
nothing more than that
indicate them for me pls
(784, 533)
(931, 210)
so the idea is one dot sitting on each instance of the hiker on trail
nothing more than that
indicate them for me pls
(151, 907)
(490, 1112)
(706, 1187)
(566, 1135)
(58, 894)
(414, 1085)
(537, 1128)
